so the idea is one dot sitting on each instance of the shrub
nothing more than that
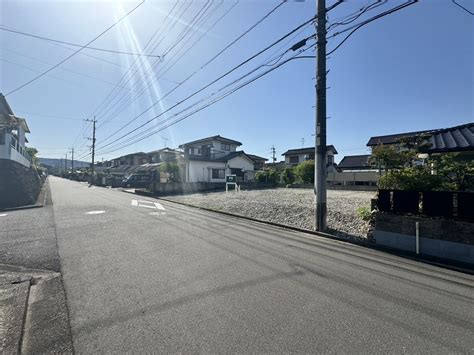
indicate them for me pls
(417, 178)
(270, 175)
(365, 213)
(305, 171)
(287, 176)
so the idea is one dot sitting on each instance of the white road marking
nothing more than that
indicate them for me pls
(148, 204)
(3, 215)
(95, 212)
(157, 213)
(159, 206)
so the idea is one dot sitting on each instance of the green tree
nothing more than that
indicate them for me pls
(32, 152)
(387, 158)
(172, 169)
(269, 175)
(287, 176)
(305, 171)
(457, 174)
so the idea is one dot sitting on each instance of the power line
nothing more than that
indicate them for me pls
(112, 94)
(131, 96)
(356, 27)
(65, 69)
(74, 53)
(75, 44)
(462, 7)
(215, 100)
(195, 72)
(214, 81)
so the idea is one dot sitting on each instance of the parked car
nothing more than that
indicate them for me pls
(137, 180)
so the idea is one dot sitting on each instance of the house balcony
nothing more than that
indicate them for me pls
(13, 152)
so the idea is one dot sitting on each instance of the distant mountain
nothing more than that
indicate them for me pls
(56, 163)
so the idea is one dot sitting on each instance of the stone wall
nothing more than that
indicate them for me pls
(19, 185)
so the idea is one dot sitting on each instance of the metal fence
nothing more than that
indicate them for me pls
(429, 203)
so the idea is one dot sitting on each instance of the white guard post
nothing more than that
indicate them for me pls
(231, 180)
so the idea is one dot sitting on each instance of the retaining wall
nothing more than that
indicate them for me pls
(19, 185)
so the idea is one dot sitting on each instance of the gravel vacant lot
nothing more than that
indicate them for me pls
(292, 207)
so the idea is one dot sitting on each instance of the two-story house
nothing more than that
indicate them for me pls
(13, 131)
(259, 161)
(211, 159)
(126, 164)
(164, 155)
(296, 156)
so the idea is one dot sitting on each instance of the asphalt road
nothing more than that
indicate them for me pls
(168, 278)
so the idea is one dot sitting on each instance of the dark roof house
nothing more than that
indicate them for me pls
(212, 138)
(453, 139)
(355, 162)
(308, 150)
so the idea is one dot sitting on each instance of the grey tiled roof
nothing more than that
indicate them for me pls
(308, 150)
(355, 162)
(453, 139)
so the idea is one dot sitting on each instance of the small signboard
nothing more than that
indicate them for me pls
(231, 180)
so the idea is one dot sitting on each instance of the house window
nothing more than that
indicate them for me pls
(190, 151)
(294, 160)
(2, 138)
(225, 146)
(198, 151)
(218, 173)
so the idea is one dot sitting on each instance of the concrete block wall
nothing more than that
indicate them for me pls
(441, 237)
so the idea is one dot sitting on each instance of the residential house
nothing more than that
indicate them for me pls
(211, 159)
(126, 164)
(296, 156)
(13, 131)
(354, 170)
(259, 161)
(164, 155)
(458, 139)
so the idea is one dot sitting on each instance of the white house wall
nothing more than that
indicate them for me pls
(200, 171)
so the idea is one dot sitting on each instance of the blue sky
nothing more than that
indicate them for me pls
(411, 70)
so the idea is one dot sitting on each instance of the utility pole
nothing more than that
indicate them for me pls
(320, 146)
(273, 154)
(72, 161)
(302, 142)
(93, 148)
(65, 164)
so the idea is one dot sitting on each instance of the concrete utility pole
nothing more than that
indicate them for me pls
(320, 146)
(273, 154)
(72, 161)
(65, 164)
(93, 149)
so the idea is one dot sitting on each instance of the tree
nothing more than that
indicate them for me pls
(269, 175)
(172, 169)
(287, 176)
(387, 158)
(457, 174)
(32, 152)
(305, 171)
